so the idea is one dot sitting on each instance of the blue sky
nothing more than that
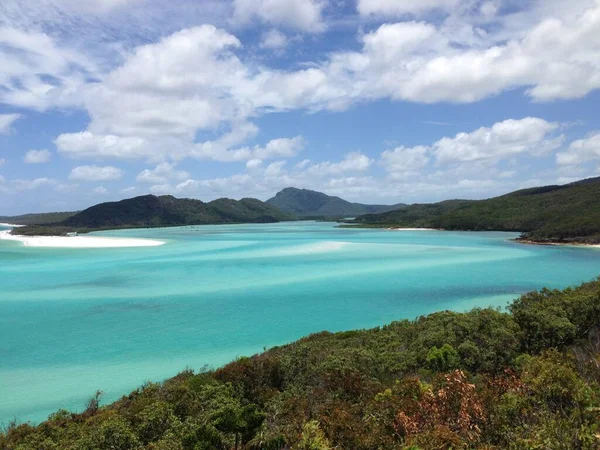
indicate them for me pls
(381, 101)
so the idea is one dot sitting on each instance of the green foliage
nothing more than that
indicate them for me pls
(312, 438)
(485, 379)
(152, 211)
(443, 359)
(307, 203)
(569, 213)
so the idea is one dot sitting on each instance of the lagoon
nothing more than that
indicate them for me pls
(73, 321)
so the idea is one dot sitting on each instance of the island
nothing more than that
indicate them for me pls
(150, 211)
(558, 214)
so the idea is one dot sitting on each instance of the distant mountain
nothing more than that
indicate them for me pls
(566, 213)
(152, 211)
(37, 219)
(305, 203)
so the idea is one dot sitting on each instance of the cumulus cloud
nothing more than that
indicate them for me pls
(95, 173)
(274, 40)
(500, 141)
(101, 190)
(6, 121)
(581, 151)
(162, 174)
(155, 104)
(88, 145)
(479, 149)
(30, 185)
(403, 161)
(303, 15)
(37, 156)
(37, 72)
(352, 162)
(398, 8)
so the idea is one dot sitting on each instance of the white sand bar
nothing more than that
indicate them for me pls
(79, 241)
(412, 229)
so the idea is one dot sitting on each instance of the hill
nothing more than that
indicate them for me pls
(307, 203)
(524, 379)
(550, 214)
(152, 211)
(37, 219)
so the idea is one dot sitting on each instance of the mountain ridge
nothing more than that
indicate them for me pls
(148, 211)
(568, 213)
(309, 203)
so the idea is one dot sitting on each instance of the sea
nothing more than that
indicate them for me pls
(74, 321)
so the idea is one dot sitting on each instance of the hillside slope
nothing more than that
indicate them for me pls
(37, 219)
(484, 379)
(152, 211)
(566, 213)
(304, 202)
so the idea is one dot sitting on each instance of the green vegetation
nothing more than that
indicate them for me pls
(528, 378)
(550, 214)
(312, 204)
(37, 219)
(152, 211)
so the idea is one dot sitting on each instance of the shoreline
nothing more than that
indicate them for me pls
(79, 241)
(411, 229)
(555, 244)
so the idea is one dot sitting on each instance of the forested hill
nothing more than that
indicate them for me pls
(166, 210)
(566, 213)
(36, 219)
(307, 203)
(485, 379)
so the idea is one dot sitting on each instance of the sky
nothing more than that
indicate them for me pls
(377, 101)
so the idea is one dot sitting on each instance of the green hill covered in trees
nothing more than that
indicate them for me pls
(152, 211)
(561, 214)
(307, 203)
(37, 219)
(524, 379)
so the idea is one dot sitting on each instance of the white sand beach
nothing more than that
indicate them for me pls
(79, 241)
(412, 229)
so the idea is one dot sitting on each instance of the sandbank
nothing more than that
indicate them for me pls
(79, 241)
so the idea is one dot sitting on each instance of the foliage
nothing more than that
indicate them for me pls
(568, 213)
(307, 203)
(523, 379)
(152, 211)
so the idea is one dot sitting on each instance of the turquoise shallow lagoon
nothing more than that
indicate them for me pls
(73, 321)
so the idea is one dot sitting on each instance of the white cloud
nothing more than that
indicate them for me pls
(6, 121)
(128, 190)
(401, 7)
(502, 140)
(303, 15)
(38, 73)
(352, 162)
(2, 162)
(88, 145)
(581, 150)
(95, 173)
(274, 40)
(101, 190)
(162, 174)
(97, 6)
(403, 161)
(29, 185)
(37, 156)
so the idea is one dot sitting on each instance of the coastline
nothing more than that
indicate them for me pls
(411, 229)
(556, 244)
(79, 241)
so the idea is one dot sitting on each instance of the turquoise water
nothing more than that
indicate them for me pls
(73, 321)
